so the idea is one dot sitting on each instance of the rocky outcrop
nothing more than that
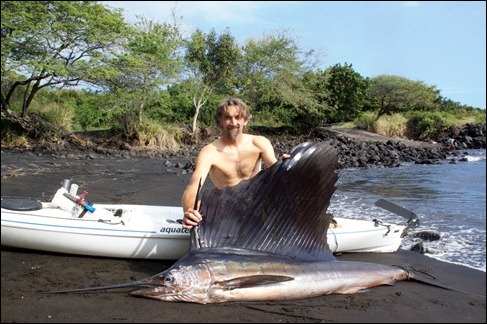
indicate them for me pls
(468, 136)
(356, 148)
(365, 150)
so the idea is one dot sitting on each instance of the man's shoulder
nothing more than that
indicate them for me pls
(259, 140)
(211, 147)
(254, 137)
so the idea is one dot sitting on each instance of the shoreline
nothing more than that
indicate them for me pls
(27, 274)
(355, 148)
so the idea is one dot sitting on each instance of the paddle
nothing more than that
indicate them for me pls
(196, 228)
(195, 206)
(413, 220)
(197, 196)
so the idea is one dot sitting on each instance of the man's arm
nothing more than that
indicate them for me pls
(267, 150)
(203, 164)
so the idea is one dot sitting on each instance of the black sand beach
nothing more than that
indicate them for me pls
(26, 274)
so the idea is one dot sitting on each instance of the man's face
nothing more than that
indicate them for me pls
(232, 123)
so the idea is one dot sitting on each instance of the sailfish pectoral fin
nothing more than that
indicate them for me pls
(252, 281)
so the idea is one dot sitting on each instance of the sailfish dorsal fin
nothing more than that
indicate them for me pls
(281, 210)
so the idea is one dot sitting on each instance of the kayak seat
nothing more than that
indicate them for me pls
(21, 204)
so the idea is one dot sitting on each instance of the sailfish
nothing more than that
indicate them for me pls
(264, 239)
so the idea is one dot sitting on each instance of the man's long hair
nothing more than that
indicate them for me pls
(243, 109)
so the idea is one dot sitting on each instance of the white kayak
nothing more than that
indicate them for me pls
(68, 225)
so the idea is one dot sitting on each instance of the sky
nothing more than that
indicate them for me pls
(441, 43)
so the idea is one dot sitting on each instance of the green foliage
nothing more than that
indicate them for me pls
(424, 125)
(181, 103)
(478, 117)
(57, 107)
(13, 136)
(92, 112)
(275, 117)
(54, 43)
(211, 61)
(388, 125)
(152, 134)
(150, 75)
(159, 108)
(56, 115)
(213, 58)
(366, 120)
(271, 76)
(345, 93)
(463, 114)
(429, 126)
(148, 62)
(390, 94)
(391, 125)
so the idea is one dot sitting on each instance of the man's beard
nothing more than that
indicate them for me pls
(234, 132)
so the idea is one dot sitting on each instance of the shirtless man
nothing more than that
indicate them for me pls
(233, 157)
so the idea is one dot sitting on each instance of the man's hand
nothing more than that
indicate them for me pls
(285, 156)
(191, 218)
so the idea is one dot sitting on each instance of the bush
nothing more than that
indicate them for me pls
(391, 125)
(366, 120)
(152, 134)
(57, 115)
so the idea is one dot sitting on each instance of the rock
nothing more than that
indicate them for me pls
(426, 235)
(418, 247)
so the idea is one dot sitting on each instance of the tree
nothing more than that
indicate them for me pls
(211, 61)
(54, 44)
(271, 77)
(345, 92)
(149, 61)
(391, 94)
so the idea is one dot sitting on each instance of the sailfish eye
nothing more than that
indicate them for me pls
(169, 279)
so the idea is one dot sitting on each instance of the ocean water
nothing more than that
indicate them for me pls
(448, 198)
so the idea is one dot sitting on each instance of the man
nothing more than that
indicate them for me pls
(233, 157)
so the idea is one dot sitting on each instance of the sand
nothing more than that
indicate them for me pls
(27, 274)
